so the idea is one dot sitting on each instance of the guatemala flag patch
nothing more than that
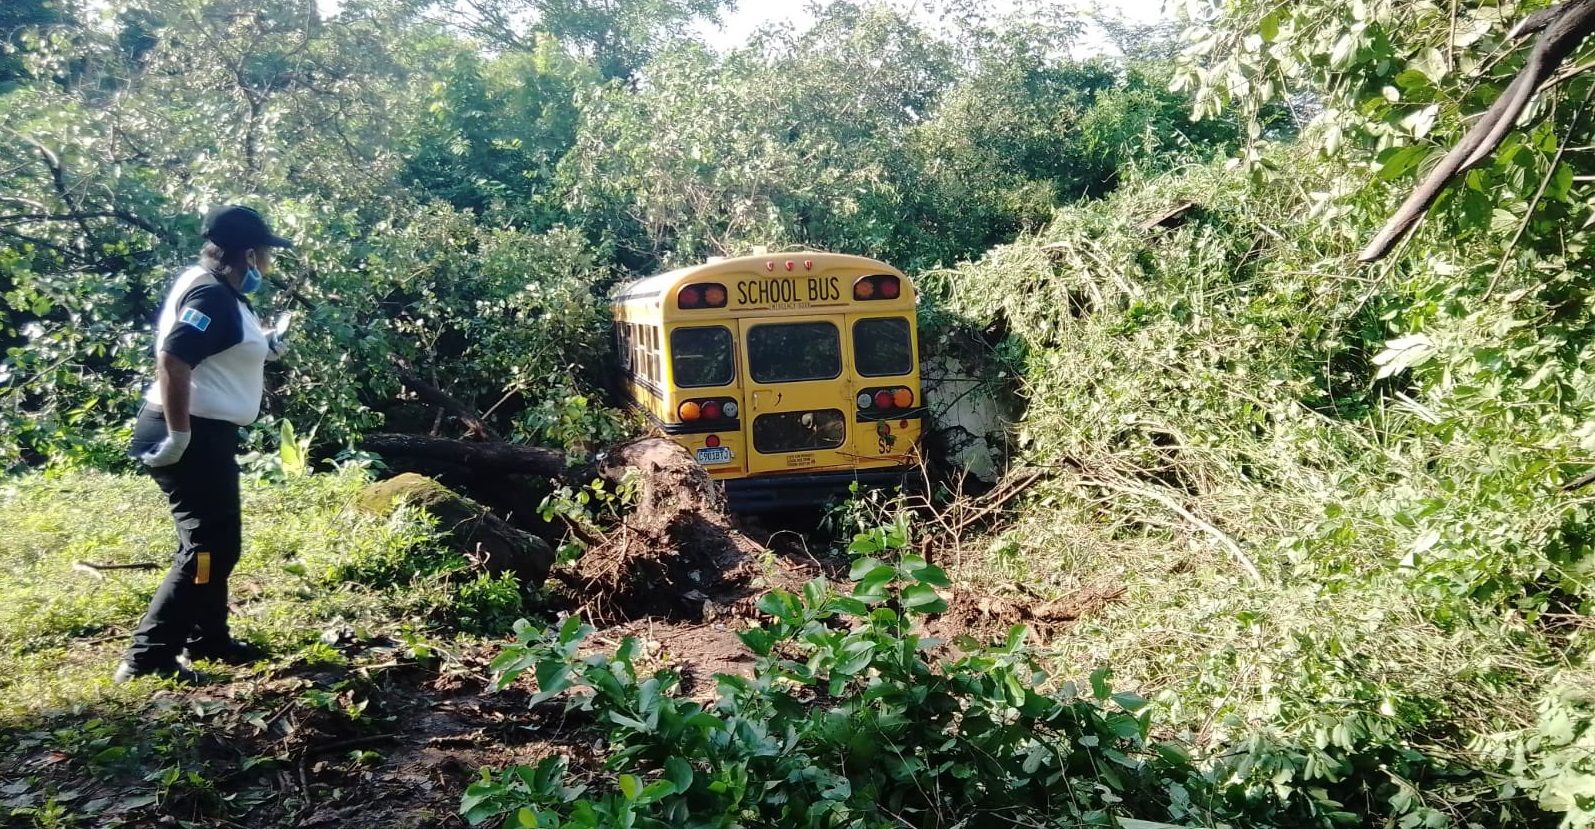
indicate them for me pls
(193, 317)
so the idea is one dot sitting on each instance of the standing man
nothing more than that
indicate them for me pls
(210, 356)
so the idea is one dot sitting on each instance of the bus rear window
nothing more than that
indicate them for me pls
(799, 431)
(883, 347)
(701, 357)
(793, 352)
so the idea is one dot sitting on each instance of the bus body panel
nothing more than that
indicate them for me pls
(779, 336)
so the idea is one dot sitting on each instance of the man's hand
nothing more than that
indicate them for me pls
(169, 451)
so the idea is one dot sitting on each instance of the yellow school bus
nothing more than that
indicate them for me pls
(786, 376)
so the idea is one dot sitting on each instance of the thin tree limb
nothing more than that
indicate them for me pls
(1174, 506)
(99, 570)
(1545, 183)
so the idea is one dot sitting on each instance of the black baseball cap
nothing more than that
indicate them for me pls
(236, 227)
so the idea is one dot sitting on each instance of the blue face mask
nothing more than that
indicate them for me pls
(252, 280)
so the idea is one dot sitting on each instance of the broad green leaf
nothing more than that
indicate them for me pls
(1268, 27)
(1099, 683)
(923, 598)
(679, 772)
(863, 567)
(1129, 701)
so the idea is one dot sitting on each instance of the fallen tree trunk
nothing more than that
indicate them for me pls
(497, 457)
(677, 553)
(491, 544)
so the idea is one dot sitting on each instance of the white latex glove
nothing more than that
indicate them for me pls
(169, 451)
(277, 337)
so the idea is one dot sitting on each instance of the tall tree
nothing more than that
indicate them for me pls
(618, 36)
(17, 19)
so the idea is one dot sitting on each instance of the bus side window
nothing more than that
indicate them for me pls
(653, 355)
(622, 347)
(644, 364)
(639, 363)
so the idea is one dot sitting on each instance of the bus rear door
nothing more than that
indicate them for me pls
(799, 403)
(887, 408)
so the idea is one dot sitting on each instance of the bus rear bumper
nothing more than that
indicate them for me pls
(788, 491)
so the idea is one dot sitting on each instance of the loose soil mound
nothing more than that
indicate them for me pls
(678, 555)
(988, 616)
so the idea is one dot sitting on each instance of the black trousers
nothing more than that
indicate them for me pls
(190, 607)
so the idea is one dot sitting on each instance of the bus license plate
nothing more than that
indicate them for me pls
(710, 456)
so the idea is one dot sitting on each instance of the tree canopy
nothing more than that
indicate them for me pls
(521, 157)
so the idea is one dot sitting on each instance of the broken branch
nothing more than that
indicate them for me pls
(1562, 28)
(99, 570)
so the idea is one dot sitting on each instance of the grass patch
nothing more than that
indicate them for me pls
(311, 562)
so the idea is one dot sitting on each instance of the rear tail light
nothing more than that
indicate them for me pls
(878, 287)
(712, 409)
(712, 441)
(703, 295)
(885, 399)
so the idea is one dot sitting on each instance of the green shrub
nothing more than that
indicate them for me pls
(849, 719)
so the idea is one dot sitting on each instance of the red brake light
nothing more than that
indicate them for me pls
(712, 441)
(705, 295)
(883, 399)
(880, 286)
(711, 410)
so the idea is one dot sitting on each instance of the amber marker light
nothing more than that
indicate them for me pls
(690, 411)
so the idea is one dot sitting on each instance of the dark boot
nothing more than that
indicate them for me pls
(177, 673)
(230, 652)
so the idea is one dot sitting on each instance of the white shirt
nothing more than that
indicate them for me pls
(207, 324)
